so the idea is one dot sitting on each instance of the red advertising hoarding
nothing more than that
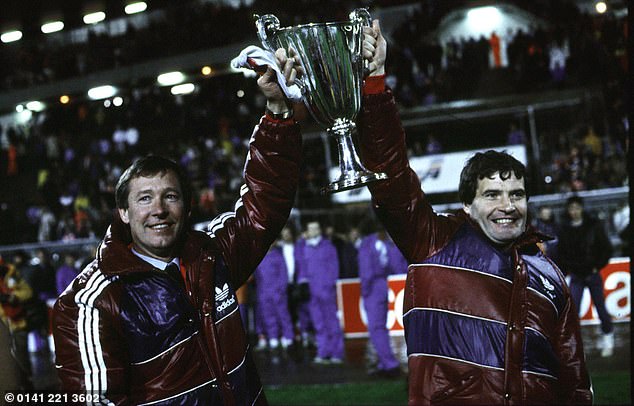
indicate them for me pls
(616, 285)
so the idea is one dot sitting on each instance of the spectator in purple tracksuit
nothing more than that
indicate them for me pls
(374, 268)
(322, 269)
(271, 280)
(396, 261)
(305, 325)
(65, 273)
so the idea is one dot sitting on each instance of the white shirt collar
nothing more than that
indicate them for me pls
(157, 263)
(313, 241)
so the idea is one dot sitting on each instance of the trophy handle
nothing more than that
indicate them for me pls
(267, 25)
(362, 16)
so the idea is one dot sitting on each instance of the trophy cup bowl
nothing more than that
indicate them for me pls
(330, 54)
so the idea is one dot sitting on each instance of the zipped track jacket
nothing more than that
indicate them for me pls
(482, 326)
(126, 333)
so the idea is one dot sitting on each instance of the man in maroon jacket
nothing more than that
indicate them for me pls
(154, 318)
(488, 317)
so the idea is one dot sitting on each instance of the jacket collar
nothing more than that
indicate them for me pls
(114, 256)
(526, 242)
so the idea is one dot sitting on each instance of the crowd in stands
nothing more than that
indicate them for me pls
(188, 26)
(574, 49)
(63, 163)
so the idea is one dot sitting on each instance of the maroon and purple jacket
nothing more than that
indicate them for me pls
(129, 334)
(482, 325)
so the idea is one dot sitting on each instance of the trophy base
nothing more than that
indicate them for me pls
(352, 182)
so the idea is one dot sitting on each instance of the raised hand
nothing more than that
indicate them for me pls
(291, 69)
(374, 49)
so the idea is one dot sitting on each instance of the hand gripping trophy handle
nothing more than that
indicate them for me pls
(331, 55)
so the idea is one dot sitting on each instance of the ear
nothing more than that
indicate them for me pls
(466, 208)
(123, 213)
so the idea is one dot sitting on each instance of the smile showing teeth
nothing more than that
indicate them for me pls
(159, 226)
(503, 221)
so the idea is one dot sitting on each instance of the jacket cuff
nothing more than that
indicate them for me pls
(374, 85)
(275, 129)
(288, 121)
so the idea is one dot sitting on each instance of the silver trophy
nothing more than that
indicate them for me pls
(330, 54)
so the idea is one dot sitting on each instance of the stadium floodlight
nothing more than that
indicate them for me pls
(206, 70)
(170, 78)
(102, 92)
(11, 36)
(136, 7)
(52, 26)
(601, 7)
(35, 105)
(94, 18)
(23, 117)
(185, 88)
(488, 16)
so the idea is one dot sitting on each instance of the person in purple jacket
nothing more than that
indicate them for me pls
(374, 267)
(271, 279)
(321, 267)
(65, 273)
(396, 262)
(305, 326)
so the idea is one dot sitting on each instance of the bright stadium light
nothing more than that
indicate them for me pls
(601, 7)
(52, 26)
(11, 36)
(206, 70)
(36, 106)
(170, 78)
(479, 17)
(102, 92)
(136, 7)
(185, 88)
(94, 18)
(23, 117)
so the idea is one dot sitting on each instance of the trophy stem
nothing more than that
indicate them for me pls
(353, 173)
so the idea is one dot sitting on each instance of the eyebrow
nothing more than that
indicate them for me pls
(151, 191)
(523, 190)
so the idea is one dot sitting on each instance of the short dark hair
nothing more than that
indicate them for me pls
(486, 164)
(149, 166)
(574, 199)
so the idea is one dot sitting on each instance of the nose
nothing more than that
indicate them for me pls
(159, 208)
(507, 204)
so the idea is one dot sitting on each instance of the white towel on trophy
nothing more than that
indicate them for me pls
(255, 58)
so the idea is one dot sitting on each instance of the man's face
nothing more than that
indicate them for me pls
(313, 229)
(545, 213)
(286, 235)
(575, 211)
(500, 208)
(156, 214)
(353, 235)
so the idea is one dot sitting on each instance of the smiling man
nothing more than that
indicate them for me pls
(154, 318)
(488, 317)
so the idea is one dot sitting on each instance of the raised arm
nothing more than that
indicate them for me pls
(271, 176)
(399, 201)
